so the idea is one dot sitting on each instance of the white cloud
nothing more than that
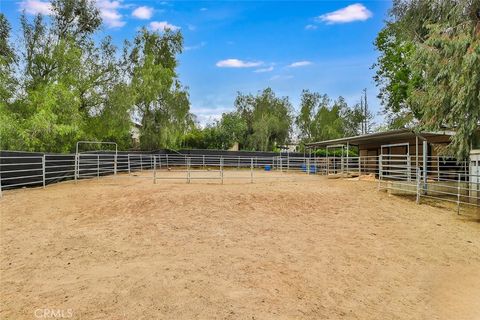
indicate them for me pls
(264, 69)
(162, 25)
(143, 12)
(36, 6)
(110, 14)
(191, 27)
(311, 27)
(299, 64)
(236, 63)
(353, 12)
(203, 9)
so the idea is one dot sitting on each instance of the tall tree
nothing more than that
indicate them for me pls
(160, 101)
(431, 59)
(268, 118)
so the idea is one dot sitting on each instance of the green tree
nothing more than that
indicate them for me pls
(268, 119)
(437, 45)
(320, 119)
(160, 101)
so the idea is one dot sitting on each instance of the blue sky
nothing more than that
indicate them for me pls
(230, 46)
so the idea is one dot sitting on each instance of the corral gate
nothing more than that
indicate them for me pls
(395, 166)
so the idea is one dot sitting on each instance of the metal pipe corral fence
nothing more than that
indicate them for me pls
(437, 178)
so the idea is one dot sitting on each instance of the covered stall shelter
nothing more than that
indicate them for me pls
(394, 152)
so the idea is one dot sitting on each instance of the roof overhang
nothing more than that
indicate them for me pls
(379, 137)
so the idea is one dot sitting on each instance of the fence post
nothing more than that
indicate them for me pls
(409, 168)
(167, 159)
(188, 170)
(380, 170)
(288, 161)
(75, 171)
(458, 193)
(154, 170)
(43, 170)
(221, 168)
(203, 161)
(308, 166)
(98, 166)
(251, 170)
(418, 184)
(115, 165)
(128, 161)
(359, 166)
(281, 164)
(141, 162)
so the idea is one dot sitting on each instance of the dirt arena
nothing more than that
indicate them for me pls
(309, 248)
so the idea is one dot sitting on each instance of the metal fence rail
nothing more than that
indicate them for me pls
(432, 177)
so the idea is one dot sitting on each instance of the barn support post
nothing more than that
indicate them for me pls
(43, 170)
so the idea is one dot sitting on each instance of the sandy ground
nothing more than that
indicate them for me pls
(309, 248)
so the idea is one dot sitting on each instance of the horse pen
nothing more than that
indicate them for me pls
(132, 237)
